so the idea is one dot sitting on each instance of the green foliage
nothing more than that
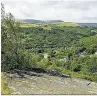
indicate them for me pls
(44, 63)
(57, 37)
(90, 43)
(70, 48)
(85, 63)
(13, 51)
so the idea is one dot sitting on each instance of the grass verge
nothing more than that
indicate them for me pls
(5, 90)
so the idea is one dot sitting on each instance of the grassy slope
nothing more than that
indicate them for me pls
(67, 24)
(28, 25)
(57, 24)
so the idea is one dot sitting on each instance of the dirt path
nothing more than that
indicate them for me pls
(51, 85)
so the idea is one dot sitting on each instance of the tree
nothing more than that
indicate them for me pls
(10, 40)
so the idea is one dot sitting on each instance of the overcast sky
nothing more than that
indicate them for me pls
(66, 10)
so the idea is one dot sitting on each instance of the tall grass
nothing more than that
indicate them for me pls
(4, 86)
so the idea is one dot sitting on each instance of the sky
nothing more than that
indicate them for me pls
(84, 11)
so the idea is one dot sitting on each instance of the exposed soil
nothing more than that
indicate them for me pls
(46, 84)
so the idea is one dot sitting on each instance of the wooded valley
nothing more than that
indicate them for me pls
(66, 47)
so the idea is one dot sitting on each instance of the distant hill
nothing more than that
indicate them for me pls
(53, 21)
(39, 21)
(88, 24)
(31, 21)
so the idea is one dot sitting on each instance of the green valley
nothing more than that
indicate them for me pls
(41, 48)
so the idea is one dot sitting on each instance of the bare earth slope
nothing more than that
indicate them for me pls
(51, 85)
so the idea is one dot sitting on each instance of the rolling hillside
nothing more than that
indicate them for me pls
(48, 25)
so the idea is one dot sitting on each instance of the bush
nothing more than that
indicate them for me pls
(44, 63)
(77, 68)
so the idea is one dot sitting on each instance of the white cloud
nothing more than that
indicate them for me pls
(71, 10)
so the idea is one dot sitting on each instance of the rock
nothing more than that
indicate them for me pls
(12, 76)
(88, 83)
(65, 76)
(32, 73)
(53, 72)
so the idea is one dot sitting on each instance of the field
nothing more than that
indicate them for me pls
(28, 25)
(48, 25)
